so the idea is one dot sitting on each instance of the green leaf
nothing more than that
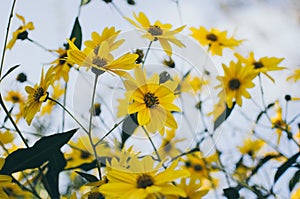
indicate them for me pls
(56, 164)
(77, 34)
(231, 193)
(223, 116)
(36, 155)
(9, 71)
(294, 180)
(264, 111)
(128, 127)
(84, 2)
(262, 162)
(285, 166)
(88, 177)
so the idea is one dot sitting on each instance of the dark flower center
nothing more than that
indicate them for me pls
(23, 35)
(62, 61)
(198, 167)
(234, 84)
(99, 62)
(39, 92)
(95, 195)
(84, 155)
(150, 100)
(155, 31)
(212, 37)
(167, 146)
(188, 164)
(258, 65)
(144, 181)
(15, 98)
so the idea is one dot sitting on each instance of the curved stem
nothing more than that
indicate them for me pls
(41, 46)
(152, 143)
(67, 111)
(64, 103)
(6, 35)
(148, 49)
(90, 126)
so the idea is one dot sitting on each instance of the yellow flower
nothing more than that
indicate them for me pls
(168, 147)
(157, 31)
(278, 123)
(6, 137)
(251, 147)
(15, 97)
(295, 76)
(142, 180)
(296, 194)
(196, 165)
(235, 82)
(4, 180)
(103, 60)
(188, 84)
(21, 32)
(151, 101)
(214, 39)
(58, 91)
(61, 66)
(263, 65)
(109, 35)
(15, 192)
(37, 95)
(192, 187)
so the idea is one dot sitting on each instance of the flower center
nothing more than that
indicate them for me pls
(99, 62)
(39, 92)
(84, 155)
(150, 100)
(15, 99)
(23, 35)
(155, 31)
(234, 84)
(95, 195)
(198, 167)
(62, 61)
(188, 164)
(258, 65)
(144, 181)
(212, 37)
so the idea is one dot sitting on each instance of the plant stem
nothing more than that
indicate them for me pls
(148, 49)
(62, 106)
(155, 150)
(90, 126)
(41, 46)
(6, 35)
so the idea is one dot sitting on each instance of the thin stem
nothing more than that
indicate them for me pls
(90, 126)
(6, 35)
(62, 106)
(152, 143)
(117, 9)
(262, 96)
(148, 49)
(111, 130)
(179, 12)
(41, 46)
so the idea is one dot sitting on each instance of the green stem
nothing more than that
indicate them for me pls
(146, 55)
(64, 104)
(6, 35)
(67, 111)
(152, 143)
(90, 126)
(41, 46)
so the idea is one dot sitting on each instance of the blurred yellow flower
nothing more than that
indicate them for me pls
(6, 137)
(157, 31)
(142, 180)
(214, 39)
(263, 65)
(251, 147)
(153, 102)
(235, 82)
(4, 181)
(15, 192)
(296, 194)
(61, 66)
(37, 95)
(15, 97)
(21, 32)
(295, 76)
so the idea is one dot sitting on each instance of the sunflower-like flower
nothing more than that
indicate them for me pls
(58, 91)
(101, 60)
(142, 180)
(215, 40)
(262, 65)
(4, 180)
(16, 98)
(153, 102)
(235, 82)
(251, 147)
(192, 187)
(61, 65)
(21, 32)
(37, 95)
(157, 31)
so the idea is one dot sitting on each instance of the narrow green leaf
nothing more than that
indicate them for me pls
(223, 116)
(36, 155)
(231, 193)
(294, 180)
(262, 162)
(285, 166)
(77, 34)
(9, 71)
(128, 127)
(88, 177)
